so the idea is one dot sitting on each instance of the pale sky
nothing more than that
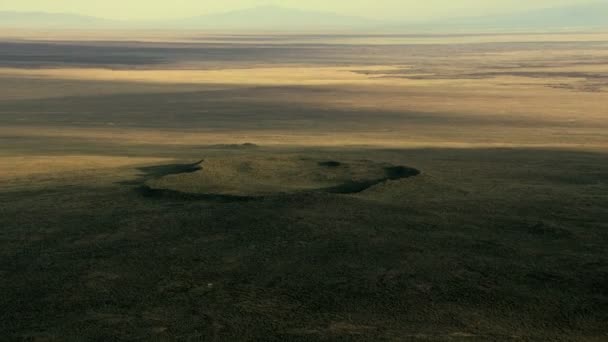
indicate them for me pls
(378, 9)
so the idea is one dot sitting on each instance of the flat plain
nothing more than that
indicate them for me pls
(127, 167)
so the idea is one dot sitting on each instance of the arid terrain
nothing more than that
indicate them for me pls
(195, 187)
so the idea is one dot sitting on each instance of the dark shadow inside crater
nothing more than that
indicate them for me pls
(330, 163)
(147, 191)
(171, 169)
(398, 172)
(159, 171)
(391, 173)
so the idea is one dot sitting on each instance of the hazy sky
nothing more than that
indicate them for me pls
(380, 9)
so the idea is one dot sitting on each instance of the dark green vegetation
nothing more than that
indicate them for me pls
(485, 244)
(509, 246)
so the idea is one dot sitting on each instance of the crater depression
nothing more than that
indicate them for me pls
(255, 176)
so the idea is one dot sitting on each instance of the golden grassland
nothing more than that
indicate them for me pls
(538, 98)
(15, 167)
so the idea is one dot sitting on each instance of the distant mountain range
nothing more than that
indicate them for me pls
(51, 20)
(257, 18)
(590, 15)
(271, 18)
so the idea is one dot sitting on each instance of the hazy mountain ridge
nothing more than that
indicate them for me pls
(578, 16)
(592, 15)
(51, 20)
(273, 17)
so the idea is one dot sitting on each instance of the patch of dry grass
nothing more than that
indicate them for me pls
(23, 167)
